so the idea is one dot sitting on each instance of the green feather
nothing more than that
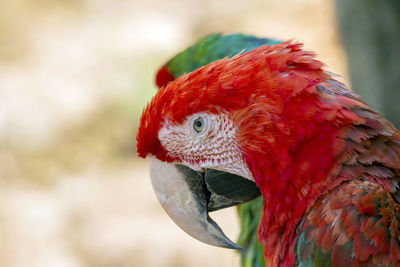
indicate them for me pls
(309, 254)
(211, 48)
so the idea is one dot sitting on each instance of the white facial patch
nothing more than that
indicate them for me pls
(203, 141)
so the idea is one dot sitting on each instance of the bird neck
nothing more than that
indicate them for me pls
(292, 165)
(290, 187)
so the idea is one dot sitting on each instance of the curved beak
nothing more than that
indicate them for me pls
(187, 196)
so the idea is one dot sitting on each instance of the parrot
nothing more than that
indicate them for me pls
(206, 50)
(273, 121)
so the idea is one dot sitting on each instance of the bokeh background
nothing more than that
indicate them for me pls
(74, 77)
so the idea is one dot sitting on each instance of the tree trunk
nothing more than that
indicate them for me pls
(370, 31)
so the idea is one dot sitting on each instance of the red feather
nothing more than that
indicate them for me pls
(163, 77)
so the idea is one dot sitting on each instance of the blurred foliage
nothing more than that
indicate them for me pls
(249, 215)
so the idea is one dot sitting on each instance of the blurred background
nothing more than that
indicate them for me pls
(74, 77)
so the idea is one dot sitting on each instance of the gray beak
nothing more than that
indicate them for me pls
(187, 196)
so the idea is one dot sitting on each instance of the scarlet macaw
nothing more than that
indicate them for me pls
(327, 165)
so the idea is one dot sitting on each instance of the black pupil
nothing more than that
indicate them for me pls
(199, 123)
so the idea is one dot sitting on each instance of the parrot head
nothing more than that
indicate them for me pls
(237, 127)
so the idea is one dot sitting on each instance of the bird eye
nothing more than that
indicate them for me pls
(198, 124)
